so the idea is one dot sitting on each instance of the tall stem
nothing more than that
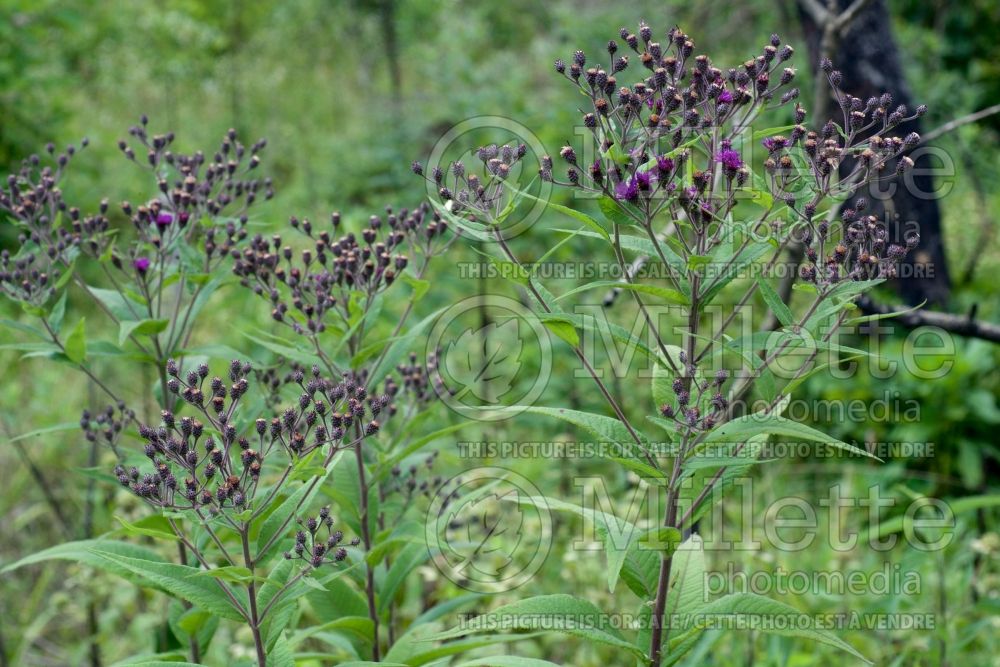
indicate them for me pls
(192, 640)
(658, 636)
(367, 540)
(255, 618)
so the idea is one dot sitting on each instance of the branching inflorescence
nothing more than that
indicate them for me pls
(670, 152)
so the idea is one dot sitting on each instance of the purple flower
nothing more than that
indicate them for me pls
(141, 264)
(773, 144)
(164, 219)
(643, 180)
(664, 164)
(730, 159)
(627, 190)
(725, 97)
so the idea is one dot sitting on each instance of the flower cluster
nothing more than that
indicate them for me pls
(193, 187)
(33, 201)
(481, 189)
(312, 548)
(219, 465)
(303, 287)
(810, 163)
(638, 127)
(862, 252)
(419, 380)
(25, 278)
(699, 404)
(191, 190)
(107, 425)
(410, 482)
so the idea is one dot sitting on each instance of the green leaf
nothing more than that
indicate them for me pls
(644, 246)
(584, 218)
(141, 328)
(564, 329)
(687, 586)
(408, 558)
(285, 351)
(83, 551)
(665, 293)
(192, 623)
(661, 539)
(411, 649)
(512, 271)
(848, 289)
(645, 471)
(157, 663)
(405, 532)
(904, 522)
(25, 328)
(442, 609)
(32, 309)
(747, 426)
(151, 526)
(214, 350)
(608, 429)
(770, 132)
(774, 302)
(751, 606)
(616, 534)
(57, 314)
(663, 377)
(181, 581)
(339, 600)
(602, 327)
(696, 262)
(564, 613)
(281, 613)
(612, 210)
(418, 285)
(66, 276)
(734, 267)
(506, 661)
(76, 343)
(883, 316)
(685, 596)
(235, 574)
(565, 210)
(761, 192)
(120, 306)
(56, 428)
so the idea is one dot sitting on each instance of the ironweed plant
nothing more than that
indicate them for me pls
(668, 156)
(300, 526)
(228, 479)
(150, 277)
(222, 493)
(155, 273)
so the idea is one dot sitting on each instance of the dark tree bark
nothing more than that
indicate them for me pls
(869, 58)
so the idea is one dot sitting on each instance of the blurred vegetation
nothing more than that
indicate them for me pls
(348, 93)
